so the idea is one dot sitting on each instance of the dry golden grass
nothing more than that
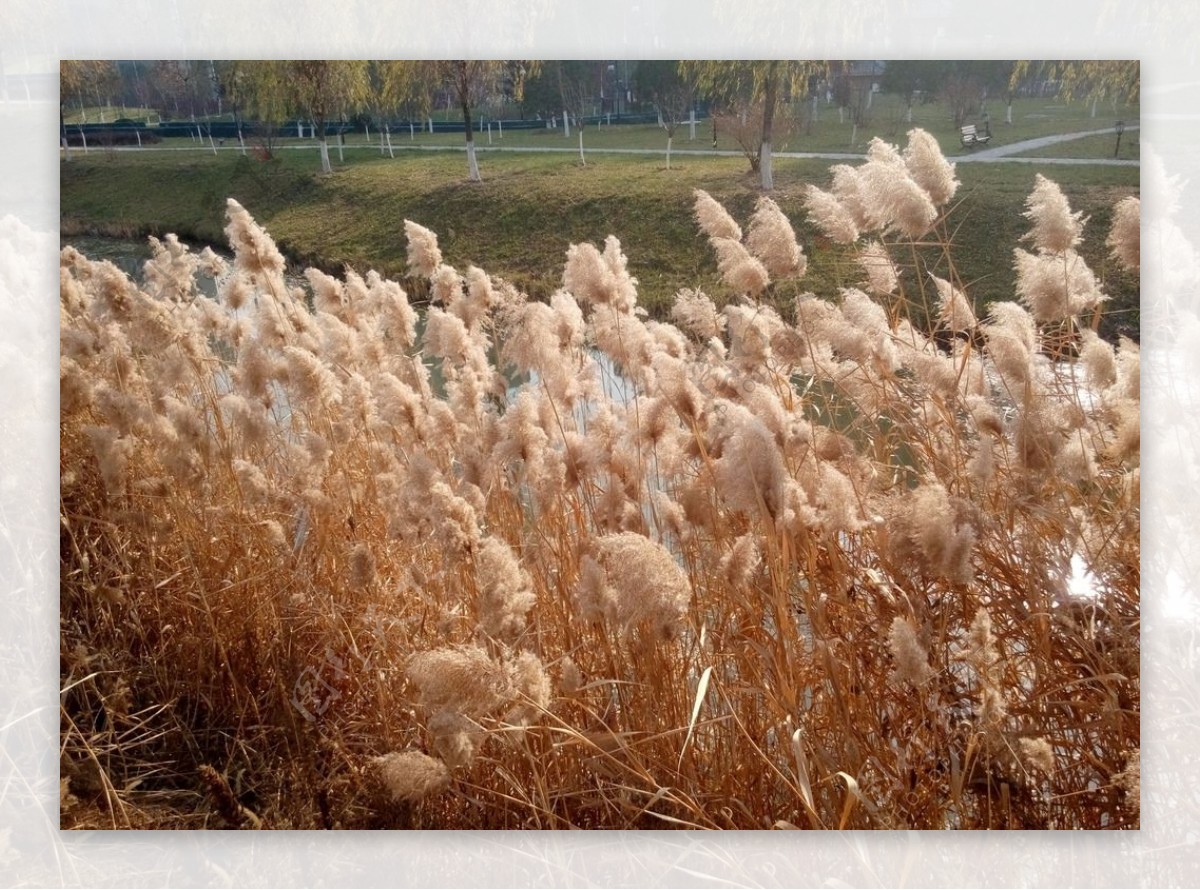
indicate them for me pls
(325, 567)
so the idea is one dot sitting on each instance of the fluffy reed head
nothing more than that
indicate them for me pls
(1125, 236)
(410, 776)
(1055, 228)
(713, 219)
(423, 253)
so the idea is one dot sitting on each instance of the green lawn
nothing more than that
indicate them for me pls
(96, 114)
(1100, 147)
(520, 220)
(825, 133)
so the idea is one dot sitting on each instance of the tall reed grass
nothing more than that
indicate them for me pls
(799, 567)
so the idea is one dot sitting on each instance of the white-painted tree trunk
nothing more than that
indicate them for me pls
(299, 130)
(853, 134)
(660, 121)
(412, 132)
(1095, 101)
(841, 115)
(489, 133)
(431, 125)
(768, 175)
(326, 167)
(341, 155)
(367, 129)
(387, 133)
(582, 159)
(472, 164)
(566, 126)
(668, 152)
(908, 115)
(241, 142)
(870, 96)
(138, 134)
(211, 144)
(691, 125)
(83, 136)
(1008, 114)
(500, 127)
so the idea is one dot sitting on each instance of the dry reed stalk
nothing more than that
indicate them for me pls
(816, 570)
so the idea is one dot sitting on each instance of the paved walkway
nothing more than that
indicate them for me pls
(1006, 152)
(999, 154)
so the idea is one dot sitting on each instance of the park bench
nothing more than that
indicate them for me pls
(972, 137)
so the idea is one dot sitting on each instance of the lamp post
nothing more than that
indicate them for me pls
(1120, 128)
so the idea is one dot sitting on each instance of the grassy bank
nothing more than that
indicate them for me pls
(530, 207)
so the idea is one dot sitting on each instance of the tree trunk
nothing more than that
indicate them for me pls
(668, 151)
(566, 126)
(692, 125)
(472, 164)
(326, 167)
(770, 94)
(582, 159)
(388, 136)
(62, 126)
(341, 145)
(412, 132)
(1008, 114)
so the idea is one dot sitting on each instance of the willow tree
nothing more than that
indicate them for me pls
(79, 80)
(323, 89)
(394, 85)
(1117, 79)
(767, 81)
(260, 89)
(471, 82)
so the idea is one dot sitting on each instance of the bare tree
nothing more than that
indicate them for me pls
(672, 89)
(575, 81)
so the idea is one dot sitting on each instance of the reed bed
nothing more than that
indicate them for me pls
(517, 564)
